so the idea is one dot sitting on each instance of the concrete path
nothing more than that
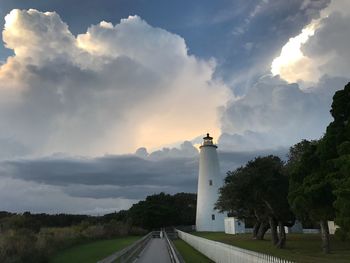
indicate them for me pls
(156, 251)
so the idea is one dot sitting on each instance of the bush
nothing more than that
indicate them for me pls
(115, 228)
(341, 234)
(94, 232)
(19, 244)
(137, 231)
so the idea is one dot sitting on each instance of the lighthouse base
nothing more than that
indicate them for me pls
(214, 222)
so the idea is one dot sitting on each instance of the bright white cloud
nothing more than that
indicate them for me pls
(292, 58)
(300, 59)
(112, 89)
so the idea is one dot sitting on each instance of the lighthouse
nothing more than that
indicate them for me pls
(209, 182)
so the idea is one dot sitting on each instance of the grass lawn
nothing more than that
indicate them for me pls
(300, 247)
(92, 252)
(189, 254)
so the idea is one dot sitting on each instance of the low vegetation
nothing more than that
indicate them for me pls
(92, 251)
(189, 254)
(23, 239)
(303, 248)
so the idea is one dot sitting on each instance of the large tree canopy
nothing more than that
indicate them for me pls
(163, 210)
(259, 190)
(310, 192)
(336, 154)
(320, 172)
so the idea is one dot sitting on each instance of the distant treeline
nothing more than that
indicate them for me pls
(155, 211)
(159, 210)
(162, 210)
(36, 221)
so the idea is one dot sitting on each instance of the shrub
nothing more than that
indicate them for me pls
(94, 232)
(20, 246)
(137, 231)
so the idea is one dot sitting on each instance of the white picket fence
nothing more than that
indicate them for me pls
(223, 253)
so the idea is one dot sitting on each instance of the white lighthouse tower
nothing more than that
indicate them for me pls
(209, 182)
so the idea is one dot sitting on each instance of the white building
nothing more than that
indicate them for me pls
(332, 227)
(209, 182)
(234, 226)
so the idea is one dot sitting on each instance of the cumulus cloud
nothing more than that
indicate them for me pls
(294, 105)
(186, 150)
(292, 58)
(276, 114)
(109, 90)
(328, 49)
(320, 49)
(267, 25)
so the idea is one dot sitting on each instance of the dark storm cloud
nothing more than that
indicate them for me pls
(137, 192)
(328, 49)
(101, 185)
(126, 176)
(109, 170)
(11, 148)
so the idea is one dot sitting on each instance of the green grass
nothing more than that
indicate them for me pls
(300, 247)
(189, 254)
(92, 252)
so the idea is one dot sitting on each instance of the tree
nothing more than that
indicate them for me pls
(342, 193)
(259, 190)
(335, 154)
(234, 199)
(185, 206)
(320, 172)
(162, 210)
(310, 192)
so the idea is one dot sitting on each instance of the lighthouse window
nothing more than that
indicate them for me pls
(212, 217)
(210, 182)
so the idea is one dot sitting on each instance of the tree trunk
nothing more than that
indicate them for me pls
(262, 230)
(256, 229)
(281, 236)
(273, 227)
(325, 236)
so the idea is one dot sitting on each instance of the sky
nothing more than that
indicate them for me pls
(105, 102)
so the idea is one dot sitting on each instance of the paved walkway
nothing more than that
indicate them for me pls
(156, 251)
